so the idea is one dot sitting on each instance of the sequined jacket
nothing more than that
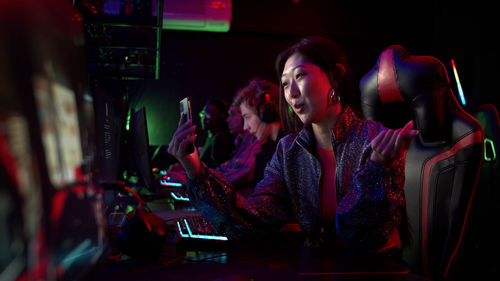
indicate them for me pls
(370, 196)
(239, 169)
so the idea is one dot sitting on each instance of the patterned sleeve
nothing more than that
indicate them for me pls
(265, 211)
(221, 149)
(240, 168)
(369, 212)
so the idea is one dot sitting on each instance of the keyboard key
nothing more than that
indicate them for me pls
(197, 227)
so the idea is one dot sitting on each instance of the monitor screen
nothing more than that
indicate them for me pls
(139, 141)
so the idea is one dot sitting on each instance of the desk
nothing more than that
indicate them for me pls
(264, 261)
(280, 258)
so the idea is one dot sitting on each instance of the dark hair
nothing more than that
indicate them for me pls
(222, 105)
(326, 54)
(251, 94)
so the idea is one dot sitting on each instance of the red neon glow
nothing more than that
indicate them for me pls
(388, 88)
(141, 202)
(471, 139)
(8, 161)
(405, 271)
(58, 203)
(217, 5)
(77, 17)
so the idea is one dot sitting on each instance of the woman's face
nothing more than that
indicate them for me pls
(306, 87)
(252, 122)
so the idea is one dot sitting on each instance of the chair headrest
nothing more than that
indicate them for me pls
(419, 82)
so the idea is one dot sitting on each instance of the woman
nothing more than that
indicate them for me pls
(337, 176)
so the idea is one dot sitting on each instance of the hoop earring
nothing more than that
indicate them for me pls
(332, 97)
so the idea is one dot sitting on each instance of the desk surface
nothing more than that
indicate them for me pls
(279, 258)
(252, 261)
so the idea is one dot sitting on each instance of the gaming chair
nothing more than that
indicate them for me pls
(443, 161)
(482, 251)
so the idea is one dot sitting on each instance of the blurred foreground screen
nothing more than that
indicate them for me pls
(51, 212)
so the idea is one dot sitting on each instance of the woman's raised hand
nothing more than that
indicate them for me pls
(183, 136)
(390, 144)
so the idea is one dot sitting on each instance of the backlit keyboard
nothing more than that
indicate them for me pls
(197, 227)
(180, 195)
(165, 182)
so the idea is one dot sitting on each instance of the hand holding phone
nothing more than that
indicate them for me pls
(185, 107)
(181, 145)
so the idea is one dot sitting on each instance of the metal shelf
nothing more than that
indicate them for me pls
(124, 46)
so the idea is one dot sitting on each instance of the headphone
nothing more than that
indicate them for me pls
(268, 110)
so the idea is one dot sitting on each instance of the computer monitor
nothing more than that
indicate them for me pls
(52, 225)
(139, 148)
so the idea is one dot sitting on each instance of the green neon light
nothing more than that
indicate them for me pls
(196, 25)
(129, 209)
(492, 145)
(159, 27)
(127, 123)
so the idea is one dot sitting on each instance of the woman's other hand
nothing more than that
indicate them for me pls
(183, 136)
(390, 144)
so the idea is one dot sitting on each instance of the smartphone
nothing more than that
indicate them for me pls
(185, 107)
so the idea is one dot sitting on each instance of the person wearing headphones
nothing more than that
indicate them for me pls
(258, 105)
(219, 142)
(340, 177)
(256, 134)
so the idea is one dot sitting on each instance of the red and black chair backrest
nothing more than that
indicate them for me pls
(443, 161)
(482, 251)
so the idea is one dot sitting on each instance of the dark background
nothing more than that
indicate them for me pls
(207, 64)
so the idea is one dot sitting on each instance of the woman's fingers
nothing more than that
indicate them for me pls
(377, 145)
(186, 141)
(411, 134)
(399, 139)
(378, 140)
(185, 132)
(181, 120)
(404, 139)
(380, 143)
(181, 135)
(183, 126)
(391, 144)
(177, 147)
